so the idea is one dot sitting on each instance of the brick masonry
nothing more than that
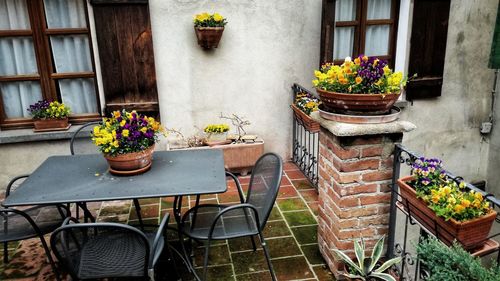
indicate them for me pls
(354, 197)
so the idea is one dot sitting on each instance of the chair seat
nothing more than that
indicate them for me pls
(114, 254)
(236, 223)
(47, 218)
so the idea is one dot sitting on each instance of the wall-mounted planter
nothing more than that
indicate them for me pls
(208, 37)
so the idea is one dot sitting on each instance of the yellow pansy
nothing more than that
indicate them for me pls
(359, 80)
(218, 18)
(116, 114)
(125, 133)
(144, 129)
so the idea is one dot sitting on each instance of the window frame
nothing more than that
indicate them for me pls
(328, 25)
(47, 75)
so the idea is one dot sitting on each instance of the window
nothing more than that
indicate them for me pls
(354, 27)
(45, 53)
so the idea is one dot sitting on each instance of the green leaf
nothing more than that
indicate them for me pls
(354, 276)
(382, 276)
(343, 257)
(388, 264)
(377, 252)
(359, 250)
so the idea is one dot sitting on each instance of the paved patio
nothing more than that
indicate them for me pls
(290, 232)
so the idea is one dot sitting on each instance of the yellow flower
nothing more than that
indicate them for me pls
(357, 61)
(144, 129)
(359, 80)
(458, 208)
(122, 123)
(125, 133)
(452, 200)
(387, 70)
(375, 62)
(478, 196)
(365, 58)
(202, 17)
(116, 144)
(435, 198)
(315, 82)
(116, 114)
(218, 18)
(447, 190)
(465, 203)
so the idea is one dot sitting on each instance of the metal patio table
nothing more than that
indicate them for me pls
(85, 178)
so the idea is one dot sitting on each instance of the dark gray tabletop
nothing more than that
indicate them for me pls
(84, 178)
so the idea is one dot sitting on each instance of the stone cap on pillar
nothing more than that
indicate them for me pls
(347, 129)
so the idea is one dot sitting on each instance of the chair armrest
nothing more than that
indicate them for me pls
(9, 186)
(232, 208)
(238, 185)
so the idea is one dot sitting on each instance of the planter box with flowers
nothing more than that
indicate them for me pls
(209, 29)
(302, 107)
(446, 208)
(216, 134)
(363, 86)
(49, 116)
(127, 141)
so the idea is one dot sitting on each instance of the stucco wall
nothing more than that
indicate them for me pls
(448, 126)
(493, 178)
(265, 48)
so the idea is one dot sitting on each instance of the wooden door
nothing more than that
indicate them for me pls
(427, 48)
(126, 53)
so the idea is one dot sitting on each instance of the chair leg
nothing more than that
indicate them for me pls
(49, 257)
(5, 252)
(253, 243)
(205, 260)
(266, 253)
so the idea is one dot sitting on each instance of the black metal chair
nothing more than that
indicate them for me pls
(108, 250)
(207, 222)
(34, 221)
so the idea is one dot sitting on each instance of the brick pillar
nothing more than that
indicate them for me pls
(355, 170)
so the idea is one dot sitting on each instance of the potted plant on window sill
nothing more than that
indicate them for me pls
(216, 134)
(302, 107)
(209, 29)
(127, 141)
(49, 116)
(367, 268)
(444, 206)
(363, 86)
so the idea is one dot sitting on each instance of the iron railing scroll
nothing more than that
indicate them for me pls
(305, 144)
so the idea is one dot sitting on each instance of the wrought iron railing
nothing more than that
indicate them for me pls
(405, 230)
(305, 143)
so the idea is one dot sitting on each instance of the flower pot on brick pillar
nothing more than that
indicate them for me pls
(355, 170)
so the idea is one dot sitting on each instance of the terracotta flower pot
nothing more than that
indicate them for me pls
(208, 37)
(130, 163)
(471, 234)
(42, 125)
(310, 125)
(357, 104)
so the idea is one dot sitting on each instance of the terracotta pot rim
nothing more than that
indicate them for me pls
(116, 157)
(490, 215)
(209, 27)
(360, 94)
(43, 119)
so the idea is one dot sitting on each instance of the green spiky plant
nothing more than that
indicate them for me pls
(365, 268)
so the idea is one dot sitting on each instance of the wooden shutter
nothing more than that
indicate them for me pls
(495, 45)
(126, 53)
(428, 46)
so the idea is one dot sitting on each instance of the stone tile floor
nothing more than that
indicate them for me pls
(291, 233)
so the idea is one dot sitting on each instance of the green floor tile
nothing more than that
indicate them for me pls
(149, 211)
(302, 184)
(247, 262)
(242, 244)
(292, 268)
(312, 254)
(323, 273)
(114, 210)
(218, 255)
(306, 234)
(275, 215)
(283, 247)
(276, 229)
(291, 204)
(219, 273)
(299, 218)
(259, 276)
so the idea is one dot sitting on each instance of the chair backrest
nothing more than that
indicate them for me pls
(264, 185)
(101, 250)
(81, 142)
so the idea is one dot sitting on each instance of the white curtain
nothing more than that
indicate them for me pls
(79, 94)
(345, 10)
(377, 36)
(65, 13)
(17, 57)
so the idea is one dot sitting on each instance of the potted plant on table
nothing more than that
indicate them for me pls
(363, 86)
(367, 268)
(209, 29)
(304, 104)
(127, 141)
(49, 116)
(445, 207)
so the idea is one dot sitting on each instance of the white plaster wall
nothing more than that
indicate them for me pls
(265, 48)
(448, 126)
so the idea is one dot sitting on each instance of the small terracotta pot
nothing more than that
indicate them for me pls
(208, 37)
(357, 104)
(46, 124)
(131, 161)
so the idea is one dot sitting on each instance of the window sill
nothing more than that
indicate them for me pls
(27, 135)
